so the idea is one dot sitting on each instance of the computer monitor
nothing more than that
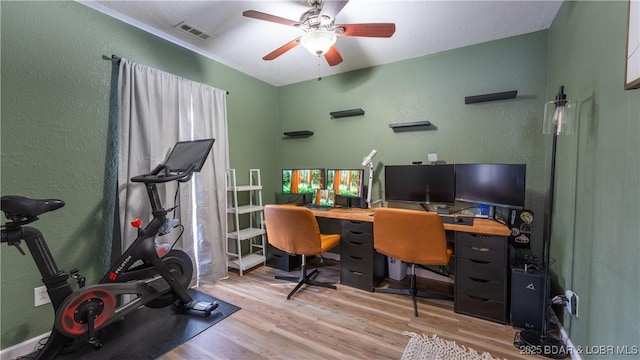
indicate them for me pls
(491, 184)
(186, 153)
(431, 184)
(323, 198)
(346, 182)
(302, 181)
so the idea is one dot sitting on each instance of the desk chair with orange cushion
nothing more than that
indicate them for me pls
(415, 237)
(294, 229)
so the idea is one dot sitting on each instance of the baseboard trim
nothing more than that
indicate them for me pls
(431, 275)
(331, 256)
(565, 337)
(22, 349)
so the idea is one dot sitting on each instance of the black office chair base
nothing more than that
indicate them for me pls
(306, 279)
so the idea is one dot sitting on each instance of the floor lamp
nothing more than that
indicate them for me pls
(559, 119)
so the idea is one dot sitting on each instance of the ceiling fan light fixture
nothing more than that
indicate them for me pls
(318, 42)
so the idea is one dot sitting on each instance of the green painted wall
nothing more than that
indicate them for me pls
(429, 88)
(55, 106)
(596, 227)
(55, 103)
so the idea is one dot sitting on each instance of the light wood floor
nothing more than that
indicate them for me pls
(320, 323)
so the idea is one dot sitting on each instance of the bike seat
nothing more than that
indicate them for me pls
(23, 206)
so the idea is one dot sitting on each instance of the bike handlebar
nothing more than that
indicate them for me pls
(157, 175)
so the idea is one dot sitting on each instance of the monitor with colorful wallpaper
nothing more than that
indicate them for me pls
(302, 181)
(346, 182)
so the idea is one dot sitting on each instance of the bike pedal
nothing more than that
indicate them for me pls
(201, 306)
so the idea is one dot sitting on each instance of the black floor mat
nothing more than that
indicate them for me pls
(148, 333)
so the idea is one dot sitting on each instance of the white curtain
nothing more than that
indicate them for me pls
(157, 109)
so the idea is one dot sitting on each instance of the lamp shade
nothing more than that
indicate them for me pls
(560, 115)
(318, 42)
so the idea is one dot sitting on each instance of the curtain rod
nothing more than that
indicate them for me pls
(112, 58)
(117, 59)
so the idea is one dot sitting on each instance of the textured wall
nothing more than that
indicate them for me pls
(55, 106)
(429, 88)
(596, 229)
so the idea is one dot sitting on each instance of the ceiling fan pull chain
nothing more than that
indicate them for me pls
(319, 77)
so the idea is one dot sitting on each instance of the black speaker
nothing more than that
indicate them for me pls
(527, 294)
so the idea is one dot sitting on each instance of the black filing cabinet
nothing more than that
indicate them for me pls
(360, 265)
(281, 260)
(481, 283)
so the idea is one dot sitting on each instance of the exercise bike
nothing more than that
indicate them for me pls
(153, 276)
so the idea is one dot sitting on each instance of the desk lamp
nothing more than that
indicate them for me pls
(368, 161)
(559, 119)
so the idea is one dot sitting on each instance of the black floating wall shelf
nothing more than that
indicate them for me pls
(491, 97)
(298, 134)
(413, 126)
(346, 113)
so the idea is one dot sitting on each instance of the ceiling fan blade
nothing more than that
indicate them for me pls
(367, 30)
(332, 8)
(333, 56)
(268, 17)
(282, 49)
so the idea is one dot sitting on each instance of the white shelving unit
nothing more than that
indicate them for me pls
(251, 229)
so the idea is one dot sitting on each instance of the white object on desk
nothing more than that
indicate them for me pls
(368, 160)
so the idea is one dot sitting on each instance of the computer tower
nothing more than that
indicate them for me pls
(527, 294)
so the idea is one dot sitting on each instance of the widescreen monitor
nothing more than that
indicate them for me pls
(346, 182)
(491, 184)
(431, 184)
(302, 181)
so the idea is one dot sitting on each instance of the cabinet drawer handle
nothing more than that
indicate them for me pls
(479, 262)
(356, 272)
(356, 232)
(478, 280)
(277, 255)
(480, 236)
(356, 242)
(477, 298)
(483, 249)
(355, 257)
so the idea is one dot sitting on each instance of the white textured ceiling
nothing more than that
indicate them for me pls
(422, 27)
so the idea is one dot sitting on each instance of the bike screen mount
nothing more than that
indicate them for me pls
(185, 158)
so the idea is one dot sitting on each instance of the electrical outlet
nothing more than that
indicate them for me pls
(40, 296)
(572, 302)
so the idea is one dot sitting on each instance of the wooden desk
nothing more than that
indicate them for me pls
(480, 226)
(481, 261)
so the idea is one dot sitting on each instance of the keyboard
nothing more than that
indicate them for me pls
(316, 207)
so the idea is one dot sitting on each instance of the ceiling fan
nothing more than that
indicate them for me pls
(320, 30)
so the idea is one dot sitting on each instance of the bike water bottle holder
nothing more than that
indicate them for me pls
(167, 226)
